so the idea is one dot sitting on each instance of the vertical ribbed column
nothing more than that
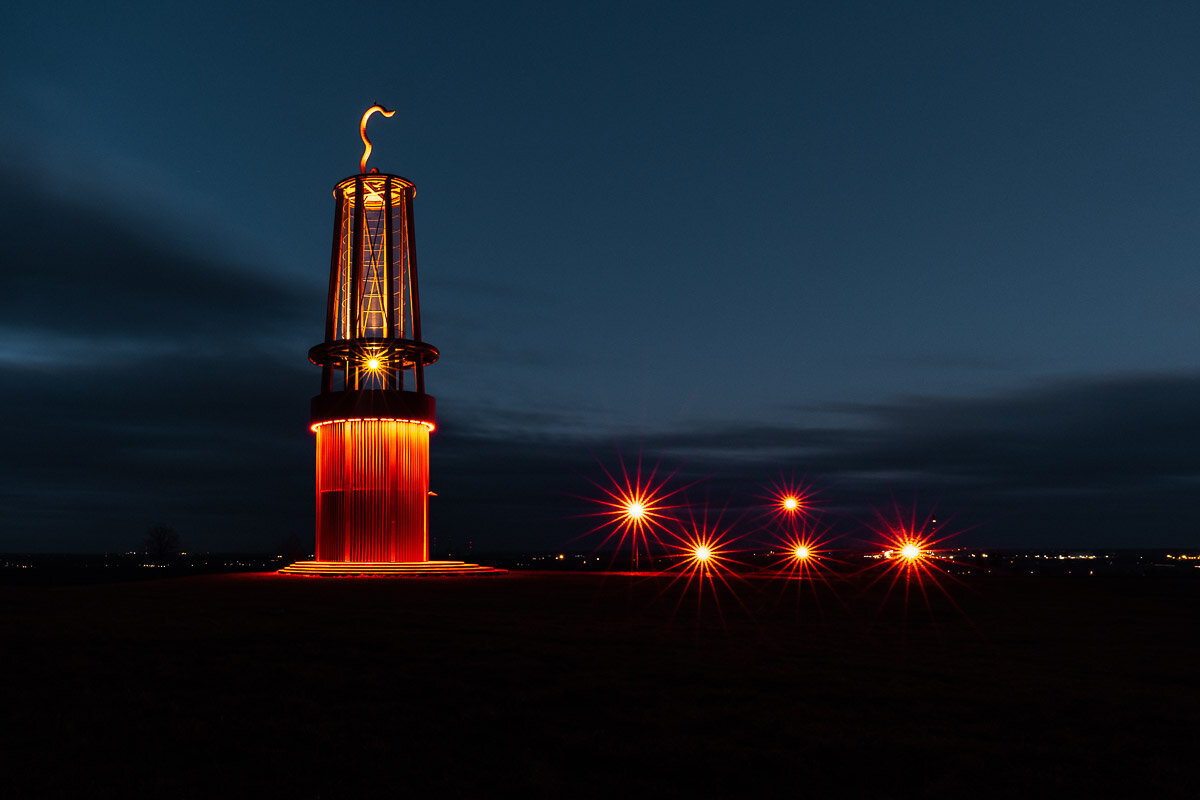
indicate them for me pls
(372, 491)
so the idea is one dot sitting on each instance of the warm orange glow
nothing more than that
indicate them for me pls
(362, 131)
(428, 425)
(704, 550)
(373, 364)
(636, 509)
(909, 561)
(368, 568)
(804, 557)
(365, 304)
(791, 501)
(704, 560)
(372, 491)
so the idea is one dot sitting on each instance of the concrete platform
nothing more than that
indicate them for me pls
(392, 569)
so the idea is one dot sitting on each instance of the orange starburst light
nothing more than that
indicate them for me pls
(909, 556)
(703, 558)
(636, 509)
(790, 501)
(804, 554)
(909, 551)
(703, 553)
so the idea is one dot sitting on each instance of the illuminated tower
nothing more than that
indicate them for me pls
(373, 418)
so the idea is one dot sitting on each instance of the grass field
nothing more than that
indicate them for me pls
(569, 685)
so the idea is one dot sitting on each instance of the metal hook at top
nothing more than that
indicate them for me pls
(362, 130)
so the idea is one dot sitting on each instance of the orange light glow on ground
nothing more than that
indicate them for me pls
(636, 509)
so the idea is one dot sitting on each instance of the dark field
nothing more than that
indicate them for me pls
(569, 684)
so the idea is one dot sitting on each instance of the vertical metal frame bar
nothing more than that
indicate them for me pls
(419, 368)
(356, 284)
(356, 287)
(335, 282)
(335, 272)
(388, 297)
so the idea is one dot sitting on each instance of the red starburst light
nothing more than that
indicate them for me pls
(909, 555)
(790, 501)
(636, 509)
(701, 555)
(702, 551)
(804, 555)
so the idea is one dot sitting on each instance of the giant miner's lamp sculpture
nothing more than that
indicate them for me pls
(373, 418)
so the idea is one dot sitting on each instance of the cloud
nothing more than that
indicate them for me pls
(146, 381)
(1100, 462)
(75, 271)
(143, 382)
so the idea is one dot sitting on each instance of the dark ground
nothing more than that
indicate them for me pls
(570, 684)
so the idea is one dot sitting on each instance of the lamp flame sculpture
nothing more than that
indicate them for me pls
(373, 417)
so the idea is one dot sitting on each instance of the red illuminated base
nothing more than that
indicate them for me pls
(388, 568)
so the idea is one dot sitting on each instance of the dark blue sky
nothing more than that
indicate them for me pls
(908, 251)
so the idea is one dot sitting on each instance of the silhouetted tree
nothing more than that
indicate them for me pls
(292, 549)
(161, 543)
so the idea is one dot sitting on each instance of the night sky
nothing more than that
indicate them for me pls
(927, 256)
